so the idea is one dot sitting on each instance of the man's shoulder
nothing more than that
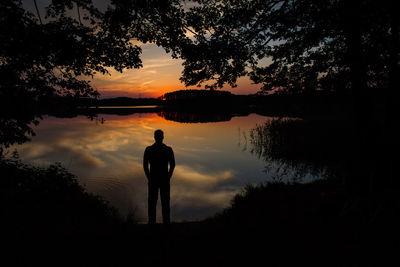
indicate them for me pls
(149, 149)
(167, 147)
(158, 147)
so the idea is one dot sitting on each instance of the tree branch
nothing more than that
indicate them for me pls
(37, 11)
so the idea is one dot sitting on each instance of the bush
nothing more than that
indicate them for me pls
(51, 198)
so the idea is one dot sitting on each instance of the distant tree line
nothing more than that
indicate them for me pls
(127, 101)
(291, 46)
(287, 45)
(193, 93)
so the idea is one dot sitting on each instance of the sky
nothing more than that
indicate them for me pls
(159, 75)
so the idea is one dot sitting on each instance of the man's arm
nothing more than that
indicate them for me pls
(146, 164)
(171, 163)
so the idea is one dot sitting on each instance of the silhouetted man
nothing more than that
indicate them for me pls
(159, 156)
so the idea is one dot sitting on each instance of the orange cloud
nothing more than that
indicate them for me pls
(159, 75)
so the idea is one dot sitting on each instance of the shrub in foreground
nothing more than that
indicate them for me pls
(46, 199)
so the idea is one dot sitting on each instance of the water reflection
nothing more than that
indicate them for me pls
(302, 147)
(107, 158)
(195, 117)
(213, 159)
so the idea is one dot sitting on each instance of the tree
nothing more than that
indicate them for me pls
(51, 55)
(300, 46)
(285, 45)
(293, 45)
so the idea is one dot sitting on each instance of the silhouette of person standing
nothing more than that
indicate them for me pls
(159, 156)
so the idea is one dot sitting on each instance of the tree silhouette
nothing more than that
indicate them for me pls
(289, 45)
(302, 46)
(293, 45)
(51, 55)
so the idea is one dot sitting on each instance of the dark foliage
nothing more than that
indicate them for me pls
(362, 161)
(127, 101)
(199, 100)
(309, 225)
(294, 46)
(199, 95)
(49, 198)
(52, 53)
(322, 147)
(195, 117)
(274, 203)
(49, 218)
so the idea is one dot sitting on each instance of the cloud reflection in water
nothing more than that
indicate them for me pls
(107, 158)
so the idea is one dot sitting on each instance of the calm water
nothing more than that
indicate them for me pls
(213, 161)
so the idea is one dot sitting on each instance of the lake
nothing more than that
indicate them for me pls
(213, 158)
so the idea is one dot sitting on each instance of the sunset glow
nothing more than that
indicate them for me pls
(132, 132)
(106, 155)
(159, 75)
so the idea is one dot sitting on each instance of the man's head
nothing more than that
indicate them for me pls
(158, 136)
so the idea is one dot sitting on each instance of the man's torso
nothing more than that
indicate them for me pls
(159, 155)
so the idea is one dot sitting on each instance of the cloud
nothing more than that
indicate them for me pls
(187, 174)
(199, 149)
(108, 159)
(85, 159)
(160, 62)
(147, 82)
(35, 151)
(196, 194)
(194, 138)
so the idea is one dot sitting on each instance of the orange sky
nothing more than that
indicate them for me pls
(160, 74)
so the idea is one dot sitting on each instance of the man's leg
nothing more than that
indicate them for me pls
(152, 203)
(165, 196)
